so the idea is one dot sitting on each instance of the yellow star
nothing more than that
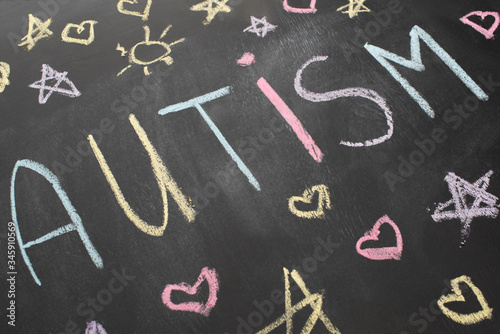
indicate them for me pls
(354, 7)
(208, 5)
(36, 26)
(315, 300)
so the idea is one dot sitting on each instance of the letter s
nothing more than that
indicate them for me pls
(347, 92)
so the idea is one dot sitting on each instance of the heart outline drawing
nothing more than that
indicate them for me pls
(382, 253)
(210, 275)
(456, 296)
(488, 33)
(79, 29)
(307, 197)
(144, 15)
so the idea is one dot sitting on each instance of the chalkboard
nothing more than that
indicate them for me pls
(264, 166)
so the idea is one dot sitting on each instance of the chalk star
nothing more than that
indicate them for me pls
(354, 7)
(42, 31)
(484, 204)
(48, 73)
(261, 30)
(208, 6)
(315, 300)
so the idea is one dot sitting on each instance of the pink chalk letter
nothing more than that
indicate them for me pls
(382, 253)
(487, 33)
(292, 120)
(311, 10)
(204, 309)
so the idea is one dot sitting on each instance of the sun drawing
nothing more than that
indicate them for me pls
(132, 59)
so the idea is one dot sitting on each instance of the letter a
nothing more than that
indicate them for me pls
(75, 225)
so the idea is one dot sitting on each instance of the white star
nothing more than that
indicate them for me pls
(261, 30)
(483, 205)
(48, 73)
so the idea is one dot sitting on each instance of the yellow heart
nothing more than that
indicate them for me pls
(79, 29)
(465, 319)
(144, 15)
(307, 197)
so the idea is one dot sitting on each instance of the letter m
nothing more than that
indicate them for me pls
(415, 63)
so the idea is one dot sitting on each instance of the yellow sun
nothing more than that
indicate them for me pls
(132, 59)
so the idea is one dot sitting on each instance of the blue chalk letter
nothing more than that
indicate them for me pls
(196, 103)
(75, 225)
(415, 63)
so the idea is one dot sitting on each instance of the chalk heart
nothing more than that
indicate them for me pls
(488, 33)
(307, 197)
(382, 253)
(79, 29)
(202, 308)
(456, 296)
(144, 14)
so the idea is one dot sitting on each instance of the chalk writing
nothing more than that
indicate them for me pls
(4, 75)
(94, 327)
(347, 92)
(144, 14)
(291, 119)
(488, 33)
(49, 74)
(197, 103)
(247, 59)
(163, 178)
(307, 197)
(456, 296)
(314, 300)
(76, 221)
(209, 275)
(212, 7)
(36, 26)
(353, 8)
(311, 10)
(260, 27)
(484, 204)
(79, 29)
(132, 59)
(381, 253)
(415, 63)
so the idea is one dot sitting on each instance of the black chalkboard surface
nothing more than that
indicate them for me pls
(264, 166)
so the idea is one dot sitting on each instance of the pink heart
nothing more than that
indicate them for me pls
(247, 59)
(383, 253)
(204, 309)
(487, 33)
